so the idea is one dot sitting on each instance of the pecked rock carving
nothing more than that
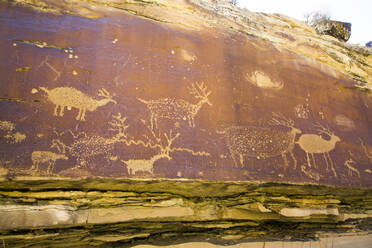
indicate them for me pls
(178, 109)
(315, 144)
(11, 136)
(351, 169)
(72, 98)
(262, 142)
(47, 157)
(147, 165)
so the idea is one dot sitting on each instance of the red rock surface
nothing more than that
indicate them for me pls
(126, 96)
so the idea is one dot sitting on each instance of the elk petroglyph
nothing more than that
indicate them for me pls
(178, 109)
(72, 98)
(261, 142)
(315, 144)
(40, 157)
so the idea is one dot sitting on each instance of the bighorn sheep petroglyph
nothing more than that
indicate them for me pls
(70, 97)
(315, 144)
(40, 157)
(262, 142)
(178, 109)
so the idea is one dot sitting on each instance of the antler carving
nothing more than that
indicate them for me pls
(199, 91)
(279, 119)
(323, 129)
(104, 93)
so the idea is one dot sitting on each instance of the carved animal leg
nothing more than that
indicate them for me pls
(233, 157)
(61, 111)
(314, 162)
(325, 159)
(33, 165)
(56, 110)
(79, 114)
(308, 160)
(191, 121)
(284, 156)
(294, 159)
(153, 121)
(332, 165)
(50, 167)
(241, 159)
(82, 117)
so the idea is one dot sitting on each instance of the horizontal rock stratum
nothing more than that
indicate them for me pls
(168, 118)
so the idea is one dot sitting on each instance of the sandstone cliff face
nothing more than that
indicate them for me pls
(178, 90)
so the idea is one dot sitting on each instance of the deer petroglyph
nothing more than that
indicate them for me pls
(178, 109)
(72, 98)
(40, 157)
(315, 144)
(261, 142)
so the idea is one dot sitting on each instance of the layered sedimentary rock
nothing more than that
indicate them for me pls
(337, 29)
(182, 90)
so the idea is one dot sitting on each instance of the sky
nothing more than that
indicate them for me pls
(357, 12)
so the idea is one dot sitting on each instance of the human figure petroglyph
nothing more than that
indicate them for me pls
(315, 144)
(72, 98)
(261, 142)
(40, 157)
(348, 163)
(178, 109)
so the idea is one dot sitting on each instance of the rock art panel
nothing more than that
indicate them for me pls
(173, 103)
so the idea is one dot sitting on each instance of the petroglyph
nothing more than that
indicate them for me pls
(367, 150)
(164, 150)
(45, 157)
(261, 80)
(72, 98)
(348, 163)
(10, 135)
(302, 111)
(147, 165)
(261, 142)
(312, 175)
(315, 144)
(178, 109)
(45, 62)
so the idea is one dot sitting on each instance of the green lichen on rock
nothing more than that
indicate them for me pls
(127, 212)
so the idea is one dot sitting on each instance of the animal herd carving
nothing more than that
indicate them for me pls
(276, 140)
(264, 142)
